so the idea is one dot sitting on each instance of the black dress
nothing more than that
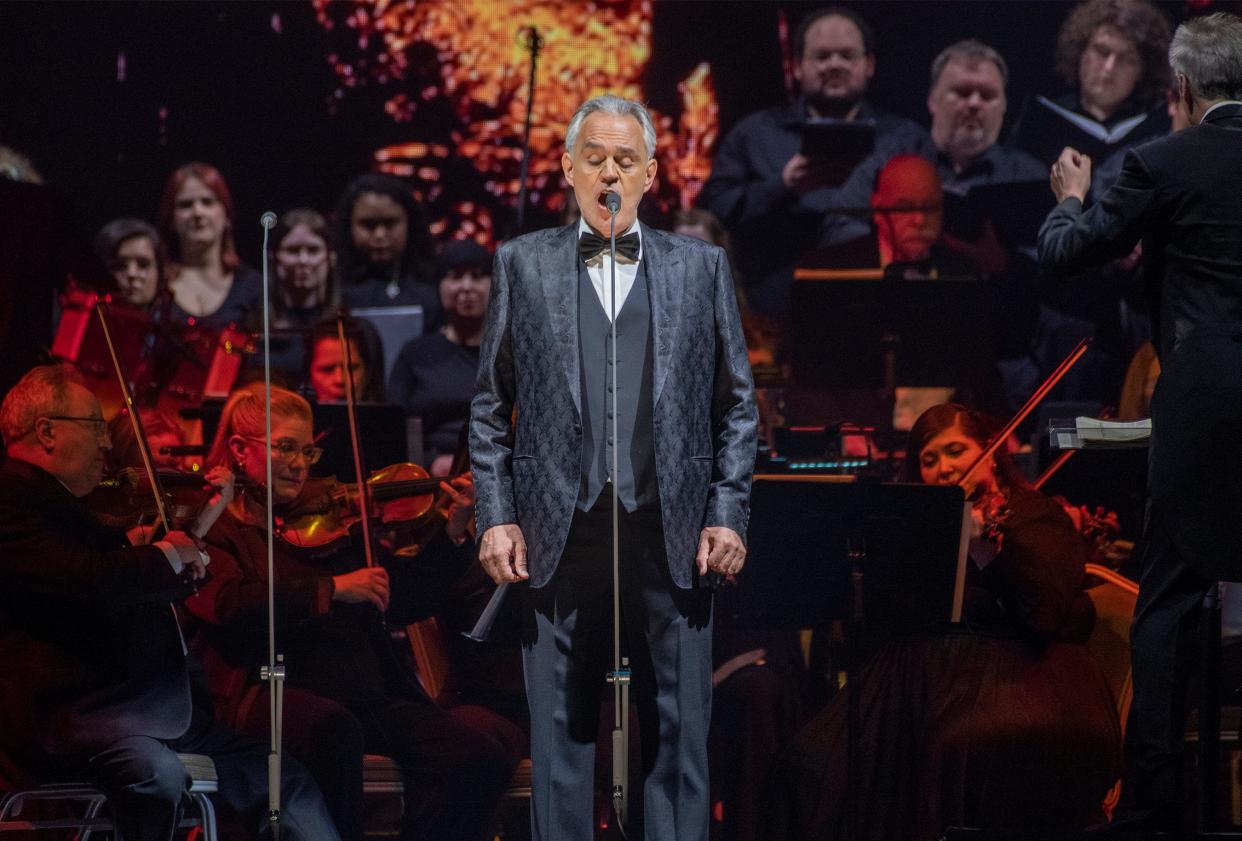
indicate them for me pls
(244, 298)
(433, 378)
(1005, 722)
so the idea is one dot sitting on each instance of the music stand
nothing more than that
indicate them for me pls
(886, 558)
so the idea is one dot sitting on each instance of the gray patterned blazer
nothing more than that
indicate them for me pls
(525, 419)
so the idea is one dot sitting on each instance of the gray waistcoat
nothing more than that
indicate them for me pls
(636, 479)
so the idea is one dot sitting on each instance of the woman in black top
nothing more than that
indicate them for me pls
(386, 256)
(207, 280)
(434, 375)
(1005, 722)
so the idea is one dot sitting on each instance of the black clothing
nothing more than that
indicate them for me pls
(635, 447)
(408, 291)
(997, 165)
(89, 641)
(1006, 722)
(433, 378)
(1182, 195)
(771, 226)
(347, 678)
(96, 679)
(1047, 125)
(242, 304)
(567, 648)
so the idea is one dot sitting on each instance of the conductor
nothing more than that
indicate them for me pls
(1181, 196)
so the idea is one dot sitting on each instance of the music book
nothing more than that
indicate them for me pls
(1093, 433)
(1045, 128)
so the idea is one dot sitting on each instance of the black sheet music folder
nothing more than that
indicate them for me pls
(798, 571)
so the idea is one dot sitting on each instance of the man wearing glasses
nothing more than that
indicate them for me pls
(95, 679)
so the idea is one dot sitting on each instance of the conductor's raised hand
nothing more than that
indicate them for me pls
(369, 584)
(720, 550)
(502, 551)
(1071, 175)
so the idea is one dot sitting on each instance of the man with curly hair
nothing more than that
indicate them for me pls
(1113, 56)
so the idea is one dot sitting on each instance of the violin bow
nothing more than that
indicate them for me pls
(351, 405)
(135, 420)
(1040, 393)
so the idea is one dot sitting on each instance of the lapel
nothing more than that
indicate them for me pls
(663, 261)
(558, 266)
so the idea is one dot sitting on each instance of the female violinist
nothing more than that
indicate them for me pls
(346, 691)
(1003, 723)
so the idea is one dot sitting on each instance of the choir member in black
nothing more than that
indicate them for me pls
(774, 199)
(130, 249)
(1003, 722)
(1113, 57)
(323, 362)
(385, 256)
(96, 683)
(304, 290)
(347, 691)
(208, 281)
(433, 377)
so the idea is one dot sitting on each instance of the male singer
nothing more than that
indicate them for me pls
(1181, 196)
(542, 452)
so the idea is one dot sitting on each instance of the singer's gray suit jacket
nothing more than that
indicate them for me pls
(526, 428)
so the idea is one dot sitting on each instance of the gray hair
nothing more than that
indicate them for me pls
(1208, 52)
(612, 104)
(43, 391)
(970, 51)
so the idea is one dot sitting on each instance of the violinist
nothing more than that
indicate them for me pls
(95, 683)
(1004, 722)
(346, 691)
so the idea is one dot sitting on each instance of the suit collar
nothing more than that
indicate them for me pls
(663, 258)
(1228, 110)
(558, 262)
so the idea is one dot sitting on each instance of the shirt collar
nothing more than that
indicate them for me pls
(1218, 105)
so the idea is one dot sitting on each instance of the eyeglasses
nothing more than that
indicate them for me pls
(98, 425)
(286, 450)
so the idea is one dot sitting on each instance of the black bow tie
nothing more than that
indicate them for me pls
(591, 245)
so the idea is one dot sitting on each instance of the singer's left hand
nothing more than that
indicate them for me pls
(720, 550)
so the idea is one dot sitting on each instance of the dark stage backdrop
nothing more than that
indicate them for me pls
(108, 97)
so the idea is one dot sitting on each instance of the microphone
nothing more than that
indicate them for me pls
(268, 220)
(613, 202)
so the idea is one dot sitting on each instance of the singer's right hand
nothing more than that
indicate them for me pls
(502, 551)
(369, 584)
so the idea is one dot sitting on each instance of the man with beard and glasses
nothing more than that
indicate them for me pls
(774, 199)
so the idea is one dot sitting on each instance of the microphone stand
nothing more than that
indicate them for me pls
(274, 671)
(619, 677)
(534, 42)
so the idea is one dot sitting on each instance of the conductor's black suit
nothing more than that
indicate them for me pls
(1181, 196)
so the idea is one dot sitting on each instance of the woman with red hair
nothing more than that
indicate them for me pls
(208, 282)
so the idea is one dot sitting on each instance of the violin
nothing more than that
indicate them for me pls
(127, 498)
(327, 511)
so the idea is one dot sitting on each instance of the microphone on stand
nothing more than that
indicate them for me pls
(268, 220)
(619, 677)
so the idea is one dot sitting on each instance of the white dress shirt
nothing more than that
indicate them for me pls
(600, 270)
